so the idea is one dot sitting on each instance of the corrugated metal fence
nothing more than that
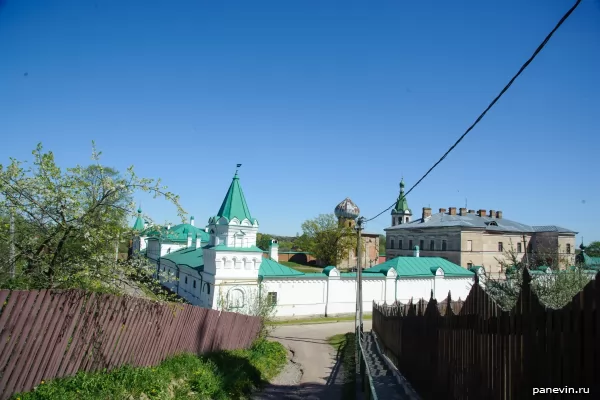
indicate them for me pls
(48, 334)
(475, 350)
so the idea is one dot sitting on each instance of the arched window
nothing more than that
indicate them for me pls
(235, 298)
(392, 244)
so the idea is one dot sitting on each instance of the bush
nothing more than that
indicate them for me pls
(221, 375)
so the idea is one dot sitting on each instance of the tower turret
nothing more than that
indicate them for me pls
(401, 214)
(347, 212)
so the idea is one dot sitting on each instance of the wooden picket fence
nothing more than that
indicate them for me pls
(49, 334)
(473, 349)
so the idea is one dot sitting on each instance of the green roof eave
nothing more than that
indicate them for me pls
(269, 268)
(190, 257)
(365, 276)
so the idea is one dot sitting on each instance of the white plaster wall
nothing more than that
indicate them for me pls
(298, 296)
(227, 232)
(233, 265)
(459, 287)
(342, 296)
(373, 290)
(142, 242)
(168, 248)
(415, 288)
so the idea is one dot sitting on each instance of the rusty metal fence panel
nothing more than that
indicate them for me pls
(48, 334)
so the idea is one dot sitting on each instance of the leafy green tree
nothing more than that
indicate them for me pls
(381, 244)
(554, 290)
(68, 223)
(263, 241)
(593, 249)
(326, 240)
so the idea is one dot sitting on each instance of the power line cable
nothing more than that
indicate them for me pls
(508, 85)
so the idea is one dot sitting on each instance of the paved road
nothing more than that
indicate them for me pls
(315, 359)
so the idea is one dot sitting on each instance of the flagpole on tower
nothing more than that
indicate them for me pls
(237, 168)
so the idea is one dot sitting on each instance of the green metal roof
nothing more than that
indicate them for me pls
(178, 233)
(419, 266)
(270, 268)
(222, 247)
(139, 222)
(234, 205)
(589, 261)
(192, 258)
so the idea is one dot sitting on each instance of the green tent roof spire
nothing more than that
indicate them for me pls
(139, 221)
(234, 205)
(401, 204)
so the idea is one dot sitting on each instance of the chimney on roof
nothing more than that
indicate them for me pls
(499, 214)
(168, 226)
(416, 253)
(452, 210)
(274, 250)
(442, 211)
(426, 212)
(492, 214)
(192, 220)
(481, 213)
(463, 212)
(189, 242)
(197, 241)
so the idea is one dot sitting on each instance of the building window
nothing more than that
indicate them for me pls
(500, 247)
(444, 245)
(469, 245)
(432, 245)
(469, 265)
(519, 248)
(400, 244)
(410, 245)
(272, 298)
(186, 280)
(392, 244)
(194, 284)
(422, 244)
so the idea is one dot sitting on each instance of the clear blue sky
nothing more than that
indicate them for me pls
(318, 100)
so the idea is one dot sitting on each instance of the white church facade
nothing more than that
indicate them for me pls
(220, 267)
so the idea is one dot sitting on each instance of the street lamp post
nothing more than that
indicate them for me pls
(359, 301)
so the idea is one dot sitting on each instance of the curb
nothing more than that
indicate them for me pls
(408, 389)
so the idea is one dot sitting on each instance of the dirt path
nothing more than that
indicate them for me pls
(312, 372)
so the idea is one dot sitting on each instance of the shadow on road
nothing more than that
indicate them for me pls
(331, 390)
(297, 339)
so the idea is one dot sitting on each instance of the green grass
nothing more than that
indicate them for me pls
(345, 345)
(223, 375)
(317, 320)
(301, 267)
